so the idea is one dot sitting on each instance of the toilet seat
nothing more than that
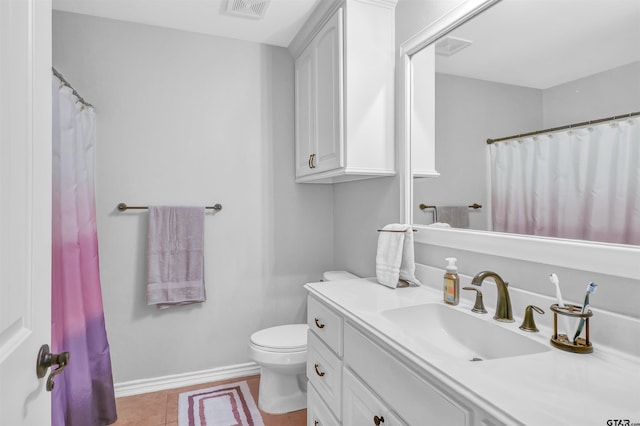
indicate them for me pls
(283, 339)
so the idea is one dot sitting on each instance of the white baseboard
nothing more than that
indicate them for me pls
(135, 387)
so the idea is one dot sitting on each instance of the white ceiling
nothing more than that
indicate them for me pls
(543, 43)
(281, 22)
(531, 43)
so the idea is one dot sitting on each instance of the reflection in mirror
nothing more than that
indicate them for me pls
(525, 66)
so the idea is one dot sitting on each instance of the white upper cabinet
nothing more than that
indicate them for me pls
(344, 92)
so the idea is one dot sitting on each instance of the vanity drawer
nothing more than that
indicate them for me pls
(318, 414)
(324, 371)
(362, 407)
(326, 324)
(400, 387)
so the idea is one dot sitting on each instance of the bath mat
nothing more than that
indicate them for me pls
(223, 405)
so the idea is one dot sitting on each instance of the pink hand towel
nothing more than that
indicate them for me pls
(175, 256)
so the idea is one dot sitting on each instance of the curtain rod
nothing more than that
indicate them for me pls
(570, 126)
(75, 93)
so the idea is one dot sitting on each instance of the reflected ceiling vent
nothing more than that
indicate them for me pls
(247, 8)
(448, 46)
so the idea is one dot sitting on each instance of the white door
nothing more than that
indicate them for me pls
(25, 208)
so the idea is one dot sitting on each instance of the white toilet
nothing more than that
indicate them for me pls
(281, 353)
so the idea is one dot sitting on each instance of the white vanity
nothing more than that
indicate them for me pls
(369, 363)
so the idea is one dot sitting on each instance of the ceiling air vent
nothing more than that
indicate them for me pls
(448, 46)
(247, 8)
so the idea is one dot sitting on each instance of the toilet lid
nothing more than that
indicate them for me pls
(291, 336)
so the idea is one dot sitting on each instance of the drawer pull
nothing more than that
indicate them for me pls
(318, 372)
(316, 423)
(318, 323)
(377, 420)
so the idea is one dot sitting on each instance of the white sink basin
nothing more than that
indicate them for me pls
(443, 330)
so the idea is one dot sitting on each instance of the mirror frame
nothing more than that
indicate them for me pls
(611, 259)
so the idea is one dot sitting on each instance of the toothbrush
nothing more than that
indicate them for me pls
(591, 288)
(565, 320)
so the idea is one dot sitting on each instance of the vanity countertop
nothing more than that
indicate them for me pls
(550, 388)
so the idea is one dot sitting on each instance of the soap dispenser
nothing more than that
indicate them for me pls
(451, 282)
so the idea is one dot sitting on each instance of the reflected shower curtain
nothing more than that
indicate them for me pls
(83, 393)
(581, 183)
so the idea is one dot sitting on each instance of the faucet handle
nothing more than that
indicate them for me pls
(528, 324)
(478, 307)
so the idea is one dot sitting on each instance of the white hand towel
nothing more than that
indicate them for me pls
(439, 225)
(175, 256)
(395, 257)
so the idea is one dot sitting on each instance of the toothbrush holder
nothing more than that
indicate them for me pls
(563, 342)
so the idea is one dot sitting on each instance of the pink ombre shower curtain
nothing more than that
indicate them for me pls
(582, 183)
(83, 393)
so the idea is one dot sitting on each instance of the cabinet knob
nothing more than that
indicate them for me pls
(377, 420)
(318, 372)
(318, 323)
(316, 423)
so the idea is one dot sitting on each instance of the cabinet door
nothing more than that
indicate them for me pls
(305, 111)
(361, 407)
(318, 414)
(328, 150)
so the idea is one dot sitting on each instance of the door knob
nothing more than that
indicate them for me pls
(45, 360)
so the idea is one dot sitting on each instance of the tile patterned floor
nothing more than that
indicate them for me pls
(161, 408)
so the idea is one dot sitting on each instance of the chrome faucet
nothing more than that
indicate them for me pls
(503, 305)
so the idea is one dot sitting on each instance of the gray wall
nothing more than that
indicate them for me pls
(192, 119)
(467, 112)
(360, 209)
(605, 94)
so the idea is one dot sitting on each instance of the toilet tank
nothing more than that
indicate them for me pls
(338, 276)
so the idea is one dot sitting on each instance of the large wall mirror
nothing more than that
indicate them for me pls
(518, 72)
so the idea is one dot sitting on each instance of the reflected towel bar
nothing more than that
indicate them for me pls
(122, 207)
(474, 206)
(423, 207)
